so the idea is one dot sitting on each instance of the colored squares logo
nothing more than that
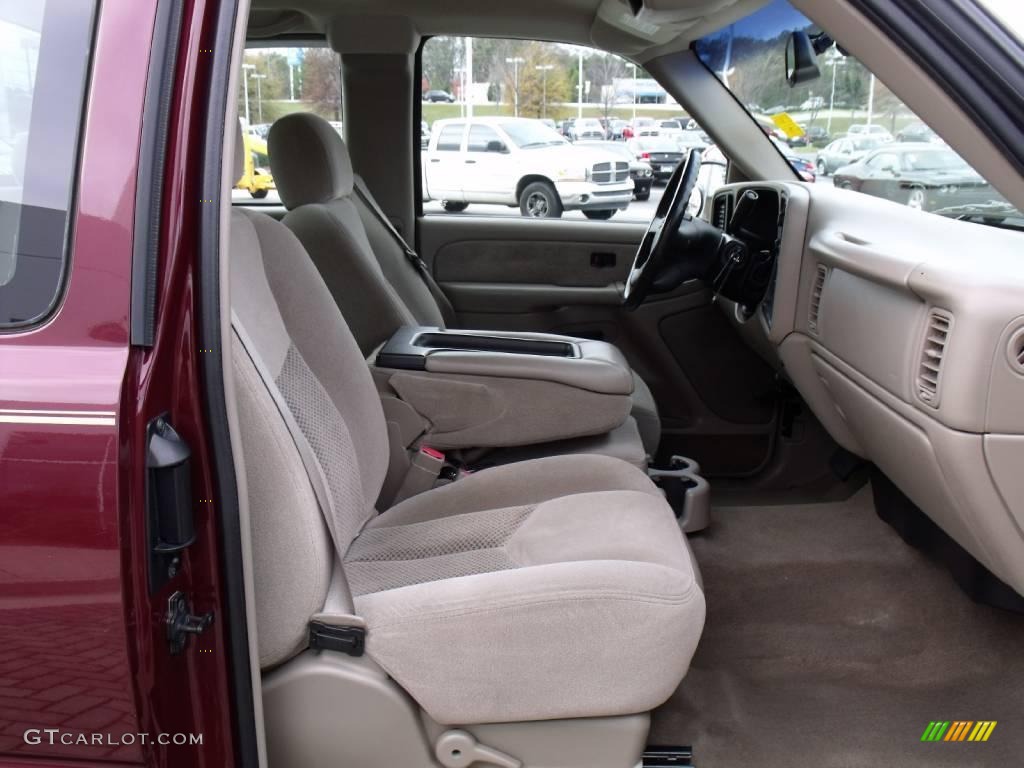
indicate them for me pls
(958, 730)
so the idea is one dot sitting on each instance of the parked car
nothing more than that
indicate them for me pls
(817, 136)
(691, 139)
(435, 96)
(257, 179)
(259, 130)
(641, 126)
(616, 128)
(920, 175)
(424, 134)
(671, 129)
(916, 132)
(662, 155)
(586, 128)
(843, 152)
(518, 161)
(639, 170)
(875, 131)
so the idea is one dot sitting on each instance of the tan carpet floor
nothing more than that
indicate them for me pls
(830, 643)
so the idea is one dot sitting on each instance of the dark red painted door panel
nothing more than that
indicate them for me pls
(82, 642)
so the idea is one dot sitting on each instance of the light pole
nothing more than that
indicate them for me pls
(515, 61)
(871, 99)
(579, 107)
(835, 59)
(467, 92)
(245, 75)
(634, 91)
(543, 69)
(259, 95)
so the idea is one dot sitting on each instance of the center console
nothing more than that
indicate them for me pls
(491, 389)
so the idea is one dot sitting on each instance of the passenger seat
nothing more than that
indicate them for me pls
(378, 288)
(553, 589)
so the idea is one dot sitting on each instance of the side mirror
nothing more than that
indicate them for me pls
(801, 61)
(496, 146)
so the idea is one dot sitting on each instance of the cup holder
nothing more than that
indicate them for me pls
(686, 491)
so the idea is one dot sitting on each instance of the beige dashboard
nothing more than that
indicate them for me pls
(904, 332)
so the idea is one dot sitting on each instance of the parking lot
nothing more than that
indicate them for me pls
(637, 210)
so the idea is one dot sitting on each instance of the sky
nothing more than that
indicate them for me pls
(1010, 12)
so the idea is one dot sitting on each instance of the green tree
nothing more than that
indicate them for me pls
(442, 56)
(321, 82)
(544, 80)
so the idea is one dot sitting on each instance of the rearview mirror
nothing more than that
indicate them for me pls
(801, 61)
(495, 146)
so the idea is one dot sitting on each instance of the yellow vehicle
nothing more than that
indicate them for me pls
(257, 179)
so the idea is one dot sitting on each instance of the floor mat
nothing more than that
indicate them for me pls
(831, 643)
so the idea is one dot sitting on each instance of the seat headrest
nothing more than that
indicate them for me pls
(309, 160)
(238, 167)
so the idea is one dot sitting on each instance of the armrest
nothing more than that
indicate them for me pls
(496, 389)
(582, 363)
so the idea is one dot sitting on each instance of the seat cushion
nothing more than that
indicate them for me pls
(645, 411)
(554, 588)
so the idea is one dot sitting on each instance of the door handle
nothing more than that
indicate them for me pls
(434, 160)
(471, 162)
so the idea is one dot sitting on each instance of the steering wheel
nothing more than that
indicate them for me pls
(654, 249)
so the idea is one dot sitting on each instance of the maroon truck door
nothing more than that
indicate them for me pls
(89, 669)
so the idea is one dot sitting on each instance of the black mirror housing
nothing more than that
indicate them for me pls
(801, 60)
(495, 146)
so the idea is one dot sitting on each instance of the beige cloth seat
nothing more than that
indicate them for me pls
(376, 286)
(555, 588)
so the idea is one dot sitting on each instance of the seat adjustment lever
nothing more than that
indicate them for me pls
(459, 749)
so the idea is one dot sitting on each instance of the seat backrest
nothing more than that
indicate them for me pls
(366, 270)
(289, 329)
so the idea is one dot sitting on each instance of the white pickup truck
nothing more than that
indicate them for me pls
(521, 162)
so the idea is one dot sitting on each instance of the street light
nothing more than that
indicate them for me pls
(259, 95)
(515, 61)
(836, 59)
(634, 91)
(543, 69)
(245, 75)
(579, 106)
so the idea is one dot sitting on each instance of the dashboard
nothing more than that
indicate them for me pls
(904, 333)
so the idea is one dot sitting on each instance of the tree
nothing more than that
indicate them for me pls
(541, 87)
(442, 57)
(602, 69)
(321, 82)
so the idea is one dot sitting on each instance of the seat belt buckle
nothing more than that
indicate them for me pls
(425, 469)
(433, 453)
(328, 637)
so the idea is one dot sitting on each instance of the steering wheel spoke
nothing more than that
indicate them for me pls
(655, 247)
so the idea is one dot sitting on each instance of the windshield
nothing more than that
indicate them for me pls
(934, 160)
(863, 144)
(527, 134)
(843, 101)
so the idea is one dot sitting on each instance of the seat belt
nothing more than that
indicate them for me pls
(447, 310)
(314, 471)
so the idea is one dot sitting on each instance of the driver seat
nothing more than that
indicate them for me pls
(376, 285)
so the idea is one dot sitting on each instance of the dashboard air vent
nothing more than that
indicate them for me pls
(1016, 351)
(814, 312)
(936, 339)
(721, 212)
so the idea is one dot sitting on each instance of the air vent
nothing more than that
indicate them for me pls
(814, 312)
(1016, 351)
(721, 211)
(936, 339)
